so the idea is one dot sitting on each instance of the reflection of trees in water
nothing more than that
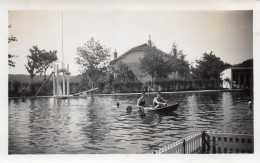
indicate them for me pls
(37, 126)
(96, 130)
(16, 100)
(208, 98)
(238, 115)
(204, 110)
(47, 125)
(246, 95)
(91, 102)
(18, 130)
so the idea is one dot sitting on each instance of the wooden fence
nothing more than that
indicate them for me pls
(190, 144)
(210, 142)
(230, 143)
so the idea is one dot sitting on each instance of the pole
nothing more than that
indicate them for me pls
(57, 79)
(63, 81)
(53, 81)
(184, 146)
(68, 81)
(203, 142)
(62, 41)
(43, 84)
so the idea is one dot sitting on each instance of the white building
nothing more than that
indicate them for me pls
(238, 76)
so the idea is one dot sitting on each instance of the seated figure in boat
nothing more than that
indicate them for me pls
(141, 103)
(158, 101)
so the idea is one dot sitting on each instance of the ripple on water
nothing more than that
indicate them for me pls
(96, 125)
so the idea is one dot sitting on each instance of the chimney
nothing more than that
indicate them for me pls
(115, 54)
(174, 50)
(149, 41)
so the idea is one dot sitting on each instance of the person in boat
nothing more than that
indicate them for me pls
(158, 101)
(141, 103)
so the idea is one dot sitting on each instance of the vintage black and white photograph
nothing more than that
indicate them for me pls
(130, 82)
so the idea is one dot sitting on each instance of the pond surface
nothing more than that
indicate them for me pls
(96, 125)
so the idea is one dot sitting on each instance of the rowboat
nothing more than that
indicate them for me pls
(169, 108)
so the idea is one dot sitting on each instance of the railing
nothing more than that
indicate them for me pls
(210, 142)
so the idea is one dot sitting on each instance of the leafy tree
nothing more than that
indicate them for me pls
(209, 67)
(93, 58)
(156, 64)
(39, 61)
(181, 65)
(11, 38)
(124, 73)
(31, 66)
(43, 59)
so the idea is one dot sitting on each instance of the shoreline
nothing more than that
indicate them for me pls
(121, 94)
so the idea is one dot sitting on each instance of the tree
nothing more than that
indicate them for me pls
(156, 64)
(181, 65)
(124, 73)
(31, 66)
(209, 67)
(11, 38)
(93, 58)
(39, 61)
(43, 59)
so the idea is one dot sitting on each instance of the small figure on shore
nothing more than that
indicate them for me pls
(117, 104)
(250, 104)
(23, 92)
(141, 103)
(158, 101)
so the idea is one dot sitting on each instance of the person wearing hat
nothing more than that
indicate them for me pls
(158, 101)
(141, 103)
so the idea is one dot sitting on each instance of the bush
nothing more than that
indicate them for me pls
(15, 87)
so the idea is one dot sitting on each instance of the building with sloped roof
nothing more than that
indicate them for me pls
(132, 59)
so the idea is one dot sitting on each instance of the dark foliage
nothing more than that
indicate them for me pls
(209, 67)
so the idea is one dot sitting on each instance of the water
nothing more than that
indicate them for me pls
(96, 125)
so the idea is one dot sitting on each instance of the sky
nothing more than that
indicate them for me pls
(228, 33)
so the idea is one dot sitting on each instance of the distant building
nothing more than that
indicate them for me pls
(238, 76)
(131, 59)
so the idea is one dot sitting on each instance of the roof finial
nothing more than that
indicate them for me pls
(174, 50)
(115, 54)
(149, 41)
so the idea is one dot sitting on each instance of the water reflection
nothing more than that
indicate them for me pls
(97, 125)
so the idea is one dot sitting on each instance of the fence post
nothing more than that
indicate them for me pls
(184, 144)
(203, 142)
(214, 145)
